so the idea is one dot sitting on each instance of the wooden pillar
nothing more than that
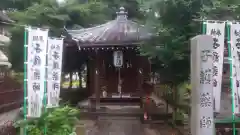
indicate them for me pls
(139, 87)
(140, 81)
(96, 81)
(89, 77)
(96, 88)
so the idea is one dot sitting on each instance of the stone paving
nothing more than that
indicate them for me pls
(120, 125)
(9, 116)
(116, 125)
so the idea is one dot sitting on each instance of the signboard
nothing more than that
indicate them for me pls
(36, 62)
(235, 51)
(202, 120)
(118, 58)
(54, 68)
(217, 31)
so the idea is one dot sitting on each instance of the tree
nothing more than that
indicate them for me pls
(175, 22)
(221, 10)
(131, 6)
(50, 14)
(17, 4)
(174, 26)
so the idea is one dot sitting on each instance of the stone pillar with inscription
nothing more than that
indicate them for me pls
(202, 119)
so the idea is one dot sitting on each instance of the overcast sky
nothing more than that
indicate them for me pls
(60, 1)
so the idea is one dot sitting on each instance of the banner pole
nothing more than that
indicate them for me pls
(204, 27)
(231, 81)
(25, 78)
(45, 88)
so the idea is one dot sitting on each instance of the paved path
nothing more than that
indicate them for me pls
(114, 126)
(9, 116)
(122, 126)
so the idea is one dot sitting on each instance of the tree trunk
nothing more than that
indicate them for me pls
(70, 83)
(175, 98)
(80, 79)
(62, 79)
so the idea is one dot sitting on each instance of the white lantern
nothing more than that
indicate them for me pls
(118, 58)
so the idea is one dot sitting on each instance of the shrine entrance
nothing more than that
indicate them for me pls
(123, 79)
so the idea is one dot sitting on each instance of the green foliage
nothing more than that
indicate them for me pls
(174, 26)
(221, 9)
(16, 48)
(182, 100)
(131, 6)
(18, 76)
(57, 121)
(17, 4)
(175, 22)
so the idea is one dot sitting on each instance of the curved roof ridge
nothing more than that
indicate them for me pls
(90, 28)
(4, 17)
(118, 30)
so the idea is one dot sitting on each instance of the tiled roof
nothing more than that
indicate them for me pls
(4, 60)
(119, 30)
(4, 39)
(4, 17)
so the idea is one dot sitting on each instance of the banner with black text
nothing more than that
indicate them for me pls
(36, 62)
(54, 68)
(217, 31)
(235, 57)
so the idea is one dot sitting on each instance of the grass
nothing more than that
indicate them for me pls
(74, 84)
(18, 76)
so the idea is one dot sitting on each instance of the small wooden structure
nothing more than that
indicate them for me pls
(116, 70)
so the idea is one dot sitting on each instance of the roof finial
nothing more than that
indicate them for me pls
(122, 14)
(121, 9)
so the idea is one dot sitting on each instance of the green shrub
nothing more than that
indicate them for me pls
(57, 121)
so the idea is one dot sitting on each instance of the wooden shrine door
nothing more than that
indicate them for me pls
(129, 79)
(128, 74)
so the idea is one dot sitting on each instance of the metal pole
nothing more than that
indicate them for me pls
(203, 27)
(45, 89)
(25, 79)
(231, 81)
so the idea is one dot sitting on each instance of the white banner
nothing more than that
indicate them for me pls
(217, 31)
(55, 49)
(36, 62)
(235, 51)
